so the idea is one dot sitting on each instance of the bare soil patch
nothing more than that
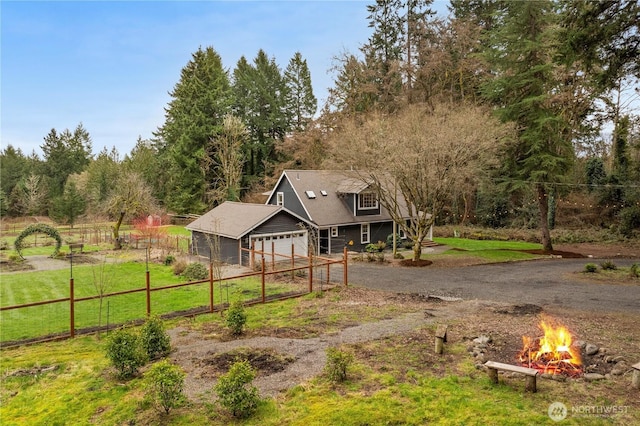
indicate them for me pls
(399, 342)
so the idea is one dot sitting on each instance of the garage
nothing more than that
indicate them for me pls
(280, 244)
(234, 227)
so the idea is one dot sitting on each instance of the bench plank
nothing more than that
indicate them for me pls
(513, 368)
(531, 373)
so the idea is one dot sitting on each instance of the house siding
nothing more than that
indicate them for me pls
(291, 200)
(377, 232)
(228, 247)
(279, 223)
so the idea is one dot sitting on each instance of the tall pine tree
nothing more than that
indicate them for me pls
(299, 100)
(200, 100)
(522, 50)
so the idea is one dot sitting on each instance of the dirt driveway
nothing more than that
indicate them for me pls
(547, 283)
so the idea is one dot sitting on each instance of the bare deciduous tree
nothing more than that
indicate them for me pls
(225, 158)
(130, 196)
(416, 159)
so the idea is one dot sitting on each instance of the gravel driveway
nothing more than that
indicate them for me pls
(548, 282)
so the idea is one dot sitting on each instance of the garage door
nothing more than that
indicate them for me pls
(281, 244)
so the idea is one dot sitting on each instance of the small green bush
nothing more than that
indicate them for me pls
(164, 384)
(195, 271)
(236, 317)
(337, 365)
(590, 268)
(125, 352)
(154, 339)
(179, 266)
(634, 271)
(375, 247)
(168, 261)
(236, 392)
(608, 265)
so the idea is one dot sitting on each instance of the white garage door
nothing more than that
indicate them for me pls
(281, 244)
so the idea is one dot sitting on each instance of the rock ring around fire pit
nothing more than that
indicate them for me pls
(530, 373)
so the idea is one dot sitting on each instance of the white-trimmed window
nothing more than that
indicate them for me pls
(280, 199)
(334, 231)
(364, 233)
(367, 201)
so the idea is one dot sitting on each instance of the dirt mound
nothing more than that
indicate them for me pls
(558, 253)
(415, 263)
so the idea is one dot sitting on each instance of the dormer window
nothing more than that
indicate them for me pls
(367, 200)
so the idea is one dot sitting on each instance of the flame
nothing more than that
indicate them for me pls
(552, 353)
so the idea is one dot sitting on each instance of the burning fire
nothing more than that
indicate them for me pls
(552, 353)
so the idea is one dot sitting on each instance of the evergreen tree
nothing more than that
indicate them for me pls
(14, 167)
(145, 161)
(69, 206)
(200, 100)
(260, 102)
(522, 49)
(65, 154)
(100, 178)
(300, 101)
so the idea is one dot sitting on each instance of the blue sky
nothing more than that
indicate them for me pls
(111, 64)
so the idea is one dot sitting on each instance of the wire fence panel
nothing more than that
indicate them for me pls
(85, 311)
(116, 310)
(34, 321)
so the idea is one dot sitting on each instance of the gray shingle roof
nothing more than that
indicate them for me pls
(331, 209)
(234, 220)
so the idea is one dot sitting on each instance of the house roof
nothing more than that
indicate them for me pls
(234, 220)
(329, 207)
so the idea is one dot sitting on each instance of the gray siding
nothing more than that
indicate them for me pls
(228, 247)
(291, 200)
(378, 232)
(281, 222)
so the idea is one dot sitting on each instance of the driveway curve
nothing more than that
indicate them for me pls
(548, 282)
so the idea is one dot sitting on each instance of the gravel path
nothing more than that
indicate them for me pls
(309, 354)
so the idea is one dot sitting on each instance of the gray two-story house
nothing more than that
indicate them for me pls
(341, 206)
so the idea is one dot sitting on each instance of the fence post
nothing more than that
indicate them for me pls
(262, 276)
(72, 313)
(210, 285)
(148, 284)
(273, 255)
(344, 268)
(293, 262)
(310, 272)
(72, 318)
(328, 266)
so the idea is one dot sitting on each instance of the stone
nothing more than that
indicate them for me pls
(618, 358)
(591, 349)
(590, 377)
(619, 369)
(580, 343)
(558, 378)
(483, 340)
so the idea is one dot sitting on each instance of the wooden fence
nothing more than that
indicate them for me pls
(276, 270)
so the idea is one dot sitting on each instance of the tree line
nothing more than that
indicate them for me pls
(547, 88)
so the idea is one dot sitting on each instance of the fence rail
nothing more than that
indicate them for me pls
(134, 306)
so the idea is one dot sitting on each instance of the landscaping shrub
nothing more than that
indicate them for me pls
(125, 352)
(168, 261)
(236, 317)
(608, 265)
(179, 266)
(195, 271)
(154, 339)
(236, 392)
(629, 220)
(390, 240)
(591, 268)
(164, 384)
(337, 364)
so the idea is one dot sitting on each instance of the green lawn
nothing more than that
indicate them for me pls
(30, 287)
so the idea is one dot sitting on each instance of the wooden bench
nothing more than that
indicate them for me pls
(531, 373)
(441, 338)
(635, 379)
(74, 246)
